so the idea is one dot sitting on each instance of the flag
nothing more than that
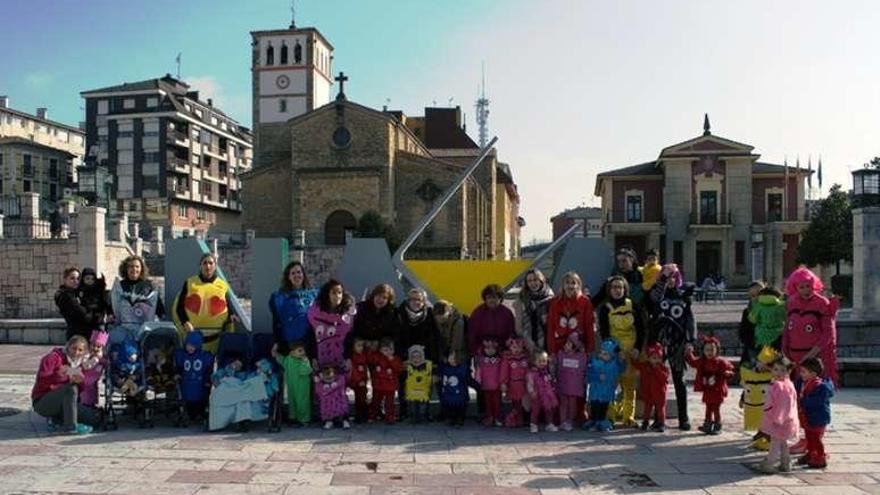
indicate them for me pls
(785, 191)
(810, 172)
(819, 175)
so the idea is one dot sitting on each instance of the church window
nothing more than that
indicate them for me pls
(338, 227)
(270, 55)
(282, 105)
(341, 137)
(283, 53)
(297, 53)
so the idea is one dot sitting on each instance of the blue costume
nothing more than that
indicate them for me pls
(289, 309)
(127, 369)
(602, 377)
(195, 374)
(453, 392)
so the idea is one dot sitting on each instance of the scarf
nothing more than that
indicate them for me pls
(415, 317)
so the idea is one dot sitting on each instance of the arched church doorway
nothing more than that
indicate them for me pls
(336, 225)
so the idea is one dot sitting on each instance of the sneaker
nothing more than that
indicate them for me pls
(684, 425)
(604, 426)
(51, 427)
(498, 423)
(328, 425)
(345, 424)
(78, 429)
(566, 426)
(644, 425)
(785, 467)
(533, 428)
(589, 425)
(551, 427)
(706, 428)
(803, 460)
(716, 429)
(765, 467)
(657, 426)
(800, 447)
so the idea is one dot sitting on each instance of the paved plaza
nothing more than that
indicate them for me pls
(402, 459)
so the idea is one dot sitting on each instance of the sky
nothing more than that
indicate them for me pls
(576, 87)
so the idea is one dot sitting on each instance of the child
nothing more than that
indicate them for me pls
(418, 383)
(651, 270)
(755, 380)
(127, 370)
(815, 410)
(810, 330)
(92, 368)
(542, 392)
(570, 365)
(653, 380)
(453, 389)
(620, 320)
(93, 297)
(234, 369)
(160, 369)
(488, 375)
(780, 419)
(712, 375)
(602, 373)
(333, 404)
(768, 316)
(297, 377)
(331, 317)
(358, 375)
(194, 367)
(514, 368)
(384, 374)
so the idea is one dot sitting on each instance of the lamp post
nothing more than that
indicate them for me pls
(866, 187)
(866, 242)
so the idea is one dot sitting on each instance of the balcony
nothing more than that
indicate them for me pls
(216, 152)
(178, 164)
(178, 138)
(635, 221)
(719, 220)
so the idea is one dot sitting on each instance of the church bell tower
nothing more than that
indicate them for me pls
(291, 75)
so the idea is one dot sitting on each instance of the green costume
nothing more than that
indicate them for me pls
(768, 315)
(297, 377)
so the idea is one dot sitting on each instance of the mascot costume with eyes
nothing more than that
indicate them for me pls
(755, 381)
(810, 323)
(331, 330)
(194, 374)
(205, 304)
(674, 326)
(621, 321)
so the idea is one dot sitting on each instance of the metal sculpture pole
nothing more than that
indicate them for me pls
(543, 254)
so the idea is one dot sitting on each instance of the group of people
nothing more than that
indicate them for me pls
(562, 359)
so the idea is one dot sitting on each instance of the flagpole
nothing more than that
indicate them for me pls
(785, 192)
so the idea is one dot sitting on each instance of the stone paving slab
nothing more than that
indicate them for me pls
(401, 459)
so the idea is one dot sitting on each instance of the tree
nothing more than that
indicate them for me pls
(874, 163)
(371, 224)
(829, 237)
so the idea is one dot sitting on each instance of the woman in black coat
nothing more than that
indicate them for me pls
(376, 317)
(68, 301)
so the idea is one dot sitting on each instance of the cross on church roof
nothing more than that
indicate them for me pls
(341, 78)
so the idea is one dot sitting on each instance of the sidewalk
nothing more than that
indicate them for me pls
(401, 459)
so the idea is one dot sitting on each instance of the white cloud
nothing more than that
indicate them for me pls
(236, 105)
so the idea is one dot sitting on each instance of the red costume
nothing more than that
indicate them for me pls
(653, 382)
(712, 376)
(357, 381)
(514, 370)
(567, 315)
(384, 375)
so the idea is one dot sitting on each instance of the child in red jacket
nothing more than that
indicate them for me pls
(713, 372)
(384, 373)
(653, 382)
(358, 374)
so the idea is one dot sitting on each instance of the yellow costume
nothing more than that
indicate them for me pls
(755, 384)
(206, 308)
(621, 322)
(418, 382)
(649, 276)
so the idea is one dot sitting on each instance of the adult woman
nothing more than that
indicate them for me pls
(376, 318)
(451, 325)
(289, 306)
(69, 304)
(627, 266)
(570, 311)
(203, 303)
(490, 319)
(55, 394)
(531, 309)
(416, 326)
(134, 298)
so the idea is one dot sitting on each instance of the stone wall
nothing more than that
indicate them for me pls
(114, 253)
(320, 263)
(31, 272)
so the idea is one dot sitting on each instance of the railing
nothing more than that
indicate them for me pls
(624, 216)
(177, 162)
(177, 135)
(33, 229)
(719, 219)
(10, 206)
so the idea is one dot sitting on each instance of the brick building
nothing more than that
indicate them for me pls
(589, 218)
(709, 205)
(175, 159)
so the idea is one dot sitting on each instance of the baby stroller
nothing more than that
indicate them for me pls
(261, 346)
(246, 395)
(161, 392)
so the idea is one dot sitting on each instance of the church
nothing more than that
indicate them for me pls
(320, 164)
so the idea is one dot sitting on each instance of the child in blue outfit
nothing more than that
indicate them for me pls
(453, 379)
(194, 367)
(127, 370)
(815, 398)
(603, 372)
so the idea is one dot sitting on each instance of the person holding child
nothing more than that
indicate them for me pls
(55, 394)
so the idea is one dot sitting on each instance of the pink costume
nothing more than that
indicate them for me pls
(488, 375)
(780, 419)
(92, 370)
(330, 332)
(514, 370)
(571, 369)
(543, 394)
(331, 397)
(810, 323)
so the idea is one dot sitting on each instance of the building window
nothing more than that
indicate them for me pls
(152, 102)
(103, 107)
(297, 53)
(53, 169)
(740, 256)
(283, 53)
(774, 207)
(26, 186)
(183, 211)
(282, 105)
(270, 55)
(151, 182)
(708, 207)
(678, 253)
(634, 208)
(201, 214)
(128, 103)
(53, 192)
(27, 166)
(151, 157)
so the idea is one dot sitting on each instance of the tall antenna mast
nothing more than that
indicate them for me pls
(292, 14)
(178, 65)
(483, 112)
